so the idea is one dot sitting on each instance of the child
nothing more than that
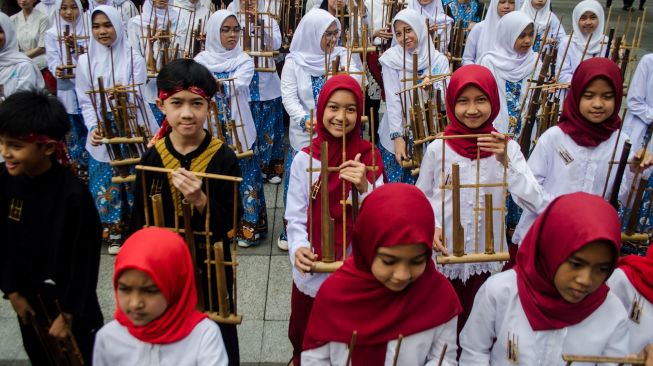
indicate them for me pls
(554, 301)
(225, 59)
(631, 282)
(575, 155)
(539, 12)
(50, 230)
(49, 8)
(383, 290)
(340, 93)
(185, 92)
(481, 37)
(156, 318)
(410, 36)
(472, 105)
(17, 71)
(439, 22)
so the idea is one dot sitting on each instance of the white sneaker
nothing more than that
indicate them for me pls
(275, 180)
(114, 248)
(244, 244)
(282, 244)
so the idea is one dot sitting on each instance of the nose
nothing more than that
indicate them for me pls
(401, 273)
(136, 302)
(584, 277)
(596, 103)
(186, 112)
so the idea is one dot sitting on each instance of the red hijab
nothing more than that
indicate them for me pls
(354, 145)
(163, 256)
(480, 77)
(353, 299)
(568, 224)
(639, 271)
(582, 131)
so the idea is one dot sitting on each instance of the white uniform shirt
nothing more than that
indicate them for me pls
(498, 313)
(65, 87)
(640, 102)
(30, 34)
(421, 348)
(573, 58)
(114, 345)
(470, 54)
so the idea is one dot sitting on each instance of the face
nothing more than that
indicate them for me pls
(588, 22)
(23, 157)
(69, 10)
(340, 109)
(26, 4)
(336, 5)
(473, 107)
(584, 271)
(538, 4)
(406, 36)
(230, 33)
(505, 6)
(398, 266)
(186, 113)
(598, 101)
(139, 297)
(329, 38)
(160, 4)
(524, 42)
(103, 30)
(425, 2)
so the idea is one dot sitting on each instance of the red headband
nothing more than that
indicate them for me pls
(60, 152)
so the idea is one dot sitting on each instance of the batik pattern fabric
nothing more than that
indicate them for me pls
(537, 42)
(158, 115)
(465, 12)
(513, 101)
(113, 201)
(268, 119)
(290, 155)
(76, 145)
(393, 171)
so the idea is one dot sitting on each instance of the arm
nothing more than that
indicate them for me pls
(289, 96)
(426, 179)
(52, 51)
(566, 70)
(26, 77)
(82, 85)
(394, 111)
(538, 163)
(637, 91)
(478, 335)
(297, 207)
(447, 336)
(244, 74)
(40, 48)
(469, 54)
(523, 186)
(276, 34)
(212, 349)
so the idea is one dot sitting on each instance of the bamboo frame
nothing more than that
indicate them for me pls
(603, 359)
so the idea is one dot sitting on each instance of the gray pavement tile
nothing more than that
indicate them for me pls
(250, 338)
(5, 309)
(279, 289)
(252, 285)
(105, 287)
(276, 346)
(276, 230)
(11, 347)
(270, 191)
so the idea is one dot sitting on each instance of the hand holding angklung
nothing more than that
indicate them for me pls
(59, 328)
(190, 186)
(494, 144)
(438, 243)
(21, 307)
(304, 260)
(641, 160)
(400, 149)
(353, 171)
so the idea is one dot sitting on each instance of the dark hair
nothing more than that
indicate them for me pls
(33, 112)
(182, 73)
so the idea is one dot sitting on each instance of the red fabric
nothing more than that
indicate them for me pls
(300, 310)
(482, 78)
(374, 67)
(163, 256)
(165, 94)
(353, 299)
(639, 271)
(582, 131)
(568, 224)
(60, 150)
(50, 81)
(354, 145)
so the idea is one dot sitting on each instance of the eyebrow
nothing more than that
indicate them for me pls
(586, 262)
(183, 99)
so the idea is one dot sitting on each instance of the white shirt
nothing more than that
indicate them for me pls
(573, 58)
(498, 312)
(127, 11)
(114, 345)
(640, 334)
(640, 102)
(30, 34)
(65, 87)
(297, 216)
(20, 77)
(421, 348)
(521, 184)
(48, 10)
(470, 54)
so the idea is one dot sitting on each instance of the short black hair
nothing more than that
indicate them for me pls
(182, 73)
(33, 112)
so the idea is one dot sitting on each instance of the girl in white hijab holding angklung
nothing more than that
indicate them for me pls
(17, 71)
(539, 12)
(437, 17)
(410, 32)
(482, 36)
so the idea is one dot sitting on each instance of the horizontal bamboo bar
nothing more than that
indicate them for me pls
(433, 79)
(231, 319)
(127, 179)
(228, 178)
(409, 164)
(124, 162)
(362, 50)
(473, 258)
(262, 53)
(123, 140)
(448, 137)
(425, 139)
(634, 237)
(182, 231)
(333, 169)
(245, 154)
(486, 185)
(322, 267)
(415, 172)
(265, 69)
(604, 359)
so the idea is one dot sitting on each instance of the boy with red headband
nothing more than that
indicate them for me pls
(50, 233)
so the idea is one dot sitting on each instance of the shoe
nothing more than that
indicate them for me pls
(282, 243)
(246, 243)
(114, 248)
(275, 179)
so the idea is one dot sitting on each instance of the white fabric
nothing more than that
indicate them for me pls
(17, 71)
(195, 14)
(640, 102)
(47, 7)
(471, 53)
(297, 216)
(640, 334)
(498, 311)
(435, 14)
(30, 34)
(421, 348)
(586, 173)
(127, 10)
(92, 4)
(579, 40)
(114, 345)
(539, 17)
(521, 185)
(486, 35)
(573, 59)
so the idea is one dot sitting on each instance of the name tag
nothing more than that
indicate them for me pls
(565, 155)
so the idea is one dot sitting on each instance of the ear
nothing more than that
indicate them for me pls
(49, 148)
(160, 105)
(211, 104)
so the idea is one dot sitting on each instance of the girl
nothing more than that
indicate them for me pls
(340, 94)
(472, 105)
(225, 59)
(632, 284)
(410, 36)
(574, 155)
(554, 301)
(539, 12)
(382, 288)
(17, 71)
(111, 58)
(481, 37)
(439, 22)
(302, 78)
(156, 318)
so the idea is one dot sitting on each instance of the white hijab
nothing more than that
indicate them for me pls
(489, 34)
(162, 15)
(9, 53)
(216, 58)
(92, 4)
(539, 17)
(80, 28)
(394, 57)
(305, 48)
(433, 11)
(579, 40)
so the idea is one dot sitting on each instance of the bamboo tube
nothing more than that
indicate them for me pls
(603, 359)
(395, 359)
(473, 258)
(198, 174)
(489, 225)
(458, 235)
(328, 229)
(224, 308)
(157, 210)
(352, 344)
(634, 211)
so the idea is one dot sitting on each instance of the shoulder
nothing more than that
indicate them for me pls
(110, 331)
(501, 287)
(206, 329)
(226, 155)
(612, 308)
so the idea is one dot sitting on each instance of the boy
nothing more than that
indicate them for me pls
(50, 231)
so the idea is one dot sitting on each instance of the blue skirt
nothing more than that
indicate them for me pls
(268, 118)
(393, 171)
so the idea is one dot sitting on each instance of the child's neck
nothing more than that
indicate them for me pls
(43, 167)
(186, 144)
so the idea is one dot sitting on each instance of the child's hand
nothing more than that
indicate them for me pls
(59, 72)
(438, 243)
(400, 149)
(21, 307)
(383, 33)
(304, 260)
(641, 160)
(494, 144)
(190, 186)
(96, 137)
(647, 354)
(354, 171)
(309, 125)
(59, 328)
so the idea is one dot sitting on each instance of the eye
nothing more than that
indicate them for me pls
(389, 262)
(351, 110)
(605, 269)
(575, 264)
(152, 290)
(333, 107)
(419, 260)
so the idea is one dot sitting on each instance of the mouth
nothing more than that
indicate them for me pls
(10, 165)
(577, 294)
(597, 114)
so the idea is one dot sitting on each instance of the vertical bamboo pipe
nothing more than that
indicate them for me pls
(489, 225)
(224, 308)
(458, 234)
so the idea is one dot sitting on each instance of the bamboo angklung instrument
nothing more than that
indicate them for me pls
(64, 351)
(458, 233)
(350, 350)
(623, 161)
(328, 223)
(107, 131)
(570, 359)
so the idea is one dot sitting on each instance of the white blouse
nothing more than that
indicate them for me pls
(114, 345)
(65, 87)
(521, 184)
(573, 58)
(30, 33)
(421, 348)
(297, 216)
(20, 77)
(640, 102)
(641, 334)
(498, 315)
(470, 54)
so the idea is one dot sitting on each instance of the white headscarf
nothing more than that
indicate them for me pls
(540, 17)
(579, 39)
(489, 34)
(216, 58)
(305, 48)
(162, 15)
(80, 28)
(189, 5)
(394, 57)
(9, 53)
(429, 11)
(92, 4)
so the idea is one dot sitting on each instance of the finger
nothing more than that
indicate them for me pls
(358, 158)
